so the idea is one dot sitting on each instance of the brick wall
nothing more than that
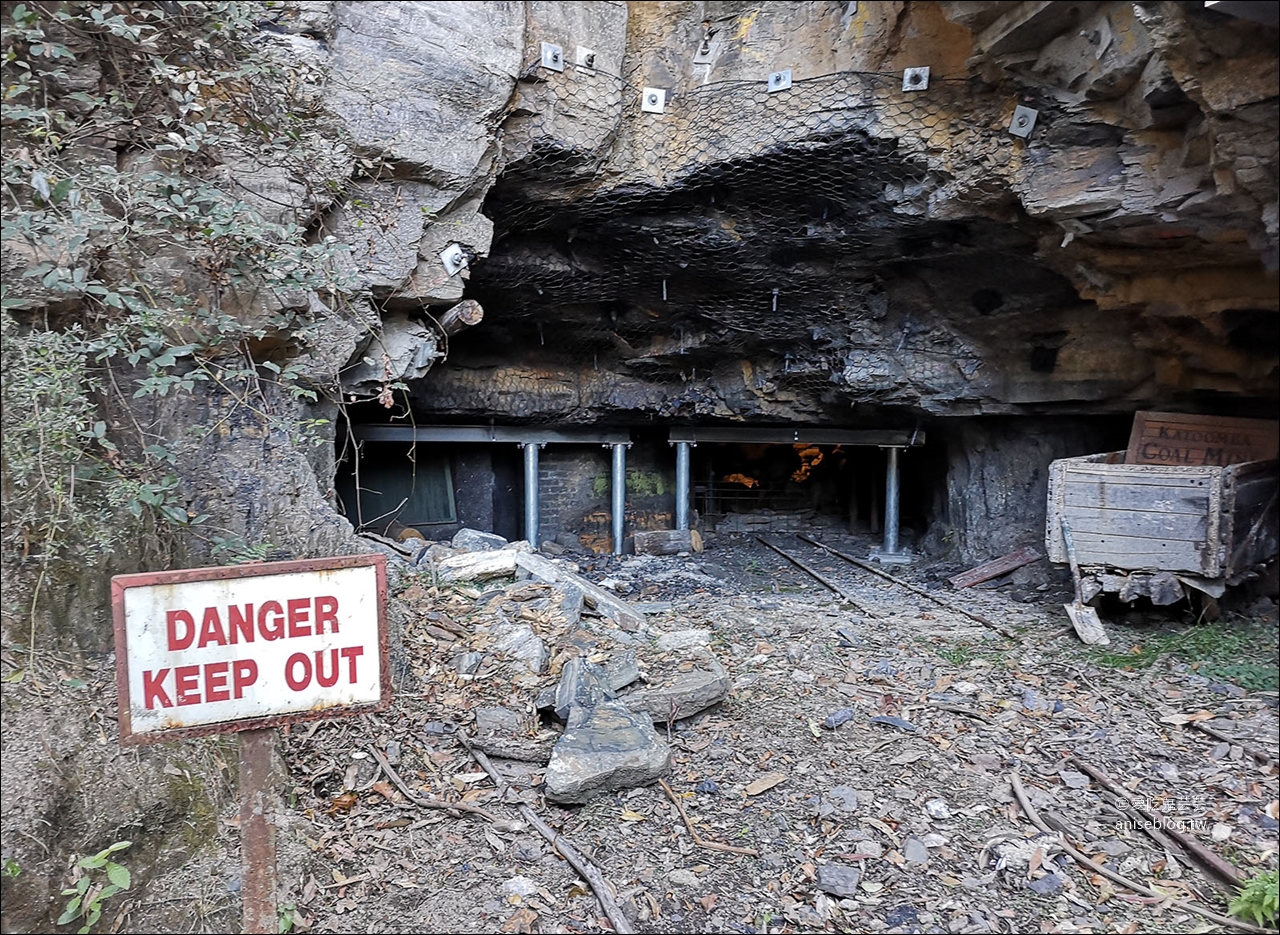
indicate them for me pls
(567, 487)
(575, 489)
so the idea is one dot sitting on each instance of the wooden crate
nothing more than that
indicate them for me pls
(1210, 521)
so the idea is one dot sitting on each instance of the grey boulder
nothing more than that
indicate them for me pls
(604, 748)
(473, 540)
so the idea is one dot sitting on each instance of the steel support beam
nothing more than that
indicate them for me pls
(796, 435)
(619, 513)
(489, 433)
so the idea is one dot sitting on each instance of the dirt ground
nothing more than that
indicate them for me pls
(870, 747)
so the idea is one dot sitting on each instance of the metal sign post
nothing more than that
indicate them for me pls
(248, 648)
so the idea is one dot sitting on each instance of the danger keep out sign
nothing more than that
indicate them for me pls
(224, 649)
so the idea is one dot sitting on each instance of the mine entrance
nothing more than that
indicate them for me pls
(583, 487)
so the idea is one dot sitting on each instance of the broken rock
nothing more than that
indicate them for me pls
(518, 642)
(498, 720)
(840, 880)
(681, 687)
(582, 684)
(522, 887)
(570, 602)
(914, 850)
(620, 670)
(603, 749)
(683, 639)
(473, 540)
(477, 566)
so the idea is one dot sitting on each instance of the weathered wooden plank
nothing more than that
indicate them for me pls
(1137, 553)
(1141, 524)
(1136, 476)
(994, 568)
(1136, 497)
(1176, 438)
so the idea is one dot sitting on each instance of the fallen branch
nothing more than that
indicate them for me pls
(1260, 755)
(959, 709)
(587, 870)
(816, 576)
(941, 602)
(454, 807)
(1197, 851)
(1021, 795)
(699, 839)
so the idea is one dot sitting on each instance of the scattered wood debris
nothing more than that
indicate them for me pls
(995, 568)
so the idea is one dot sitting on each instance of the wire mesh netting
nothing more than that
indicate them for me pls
(739, 221)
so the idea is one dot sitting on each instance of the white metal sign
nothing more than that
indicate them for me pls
(224, 649)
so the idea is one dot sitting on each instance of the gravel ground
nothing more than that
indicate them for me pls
(865, 754)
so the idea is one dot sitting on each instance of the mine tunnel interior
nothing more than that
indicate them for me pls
(399, 489)
(744, 487)
(431, 489)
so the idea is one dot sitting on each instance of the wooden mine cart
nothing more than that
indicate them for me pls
(1147, 530)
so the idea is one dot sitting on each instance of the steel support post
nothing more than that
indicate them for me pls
(682, 485)
(531, 493)
(619, 514)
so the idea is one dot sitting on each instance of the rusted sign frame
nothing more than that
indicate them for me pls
(121, 583)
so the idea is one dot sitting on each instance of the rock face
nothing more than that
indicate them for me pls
(796, 263)
(848, 252)
(604, 748)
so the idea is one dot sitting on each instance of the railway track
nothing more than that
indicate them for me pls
(863, 585)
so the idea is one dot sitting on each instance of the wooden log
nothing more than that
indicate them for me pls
(604, 603)
(465, 314)
(995, 568)
(1262, 756)
(668, 541)
(1101, 869)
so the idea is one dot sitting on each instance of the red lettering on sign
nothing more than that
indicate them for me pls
(211, 629)
(244, 672)
(186, 684)
(172, 619)
(299, 613)
(215, 682)
(351, 653)
(326, 615)
(153, 692)
(271, 620)
(298, 671)
(298, 684)
(331, 679)
(240, 623)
